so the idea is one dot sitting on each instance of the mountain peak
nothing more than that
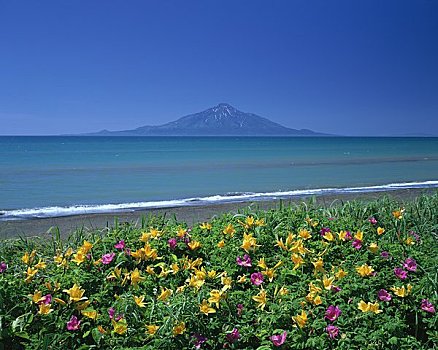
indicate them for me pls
(220, 120)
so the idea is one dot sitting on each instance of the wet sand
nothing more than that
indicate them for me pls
(191, 215)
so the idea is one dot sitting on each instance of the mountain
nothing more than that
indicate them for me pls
(221, 120)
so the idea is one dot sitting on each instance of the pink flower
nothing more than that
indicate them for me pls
(120, 245)
(233, 336)
(107, 258)
(335, 289)
(427, 306)
(239, 309)
(410, 264)
(199, 340)
(172, 243)
(279, 339)
(3, 267)
(384, 255)
(332, 313)
(47, 299)
(73, 324)
(357, 244)
(384, 295)
(245, 261)
(372, 220)
(400, 273)
(111, 312)
(332, 331)
(324, 230)
(257, 278)
(348, 235)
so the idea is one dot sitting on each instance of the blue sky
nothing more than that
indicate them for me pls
(344, 67)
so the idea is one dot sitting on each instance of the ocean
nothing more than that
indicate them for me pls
(58, 176)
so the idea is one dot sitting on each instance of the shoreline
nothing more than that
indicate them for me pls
(190, 214)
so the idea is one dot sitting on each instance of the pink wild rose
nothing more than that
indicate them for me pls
(120, 245)
(257, 278)
(73, 324)
(332, 313)
(384, 295)
(400, 273)
(278, 339)
(245, 261)
(107, 258)
(332, 331)
(427, 306)
(410, 264)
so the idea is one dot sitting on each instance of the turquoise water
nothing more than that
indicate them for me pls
(40, 172)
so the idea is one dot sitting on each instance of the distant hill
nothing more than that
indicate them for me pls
(221, 120)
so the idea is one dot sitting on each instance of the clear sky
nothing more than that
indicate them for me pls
(363, 67)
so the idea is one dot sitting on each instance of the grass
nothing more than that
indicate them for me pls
(171, 286)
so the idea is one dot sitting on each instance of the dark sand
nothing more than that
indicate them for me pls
(191, 215)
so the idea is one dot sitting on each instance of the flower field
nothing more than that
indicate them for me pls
(349, 276)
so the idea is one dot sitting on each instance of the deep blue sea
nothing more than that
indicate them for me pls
(52, 176)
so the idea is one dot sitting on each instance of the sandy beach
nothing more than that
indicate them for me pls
(191, 214)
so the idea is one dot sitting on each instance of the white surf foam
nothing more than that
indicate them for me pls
(56, 211)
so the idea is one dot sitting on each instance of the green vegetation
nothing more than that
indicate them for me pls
(350, 276)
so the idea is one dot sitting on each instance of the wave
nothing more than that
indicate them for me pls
(56, 211)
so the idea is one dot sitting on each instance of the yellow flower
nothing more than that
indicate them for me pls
(75, 293)
(90, 314)
(41, 265)
(36, 296)
(297, 260)
(86, 247)
(342, 235)
(281, 244)
(402, 291)
(79, 257)
(155, 233)
(226, 281)
(380, 230)
(410, 241)
(28, 258)
(195, 282)
(375, 308)
(300, 319)
(69, 252)
(145, 236)
(229, 230)
(398, 214)
(101, 329)
(193, 245)
(120, 327)
(340, 274)
(269, 273)
(261, 263)
(140, 301)
(221, 244)
(260, 222)
(152, 329)
(249, 242)
(298, 247)
(205, 226)
(215, 297)
(319, 265)
(249, 221)
(260, 299)
(317, 300)
(359, 235)
(60, 301)
(304, 234)
(374, 248)
(365, 270)
(165, 294)
(327, 282)
(44, 309)
(329, 236)
(363, 306)
(136, 277)
(241, 279)
(30, 273)
(83, 305)
(179, 328)
(212, 274)
(314, 289)
(205, 308)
